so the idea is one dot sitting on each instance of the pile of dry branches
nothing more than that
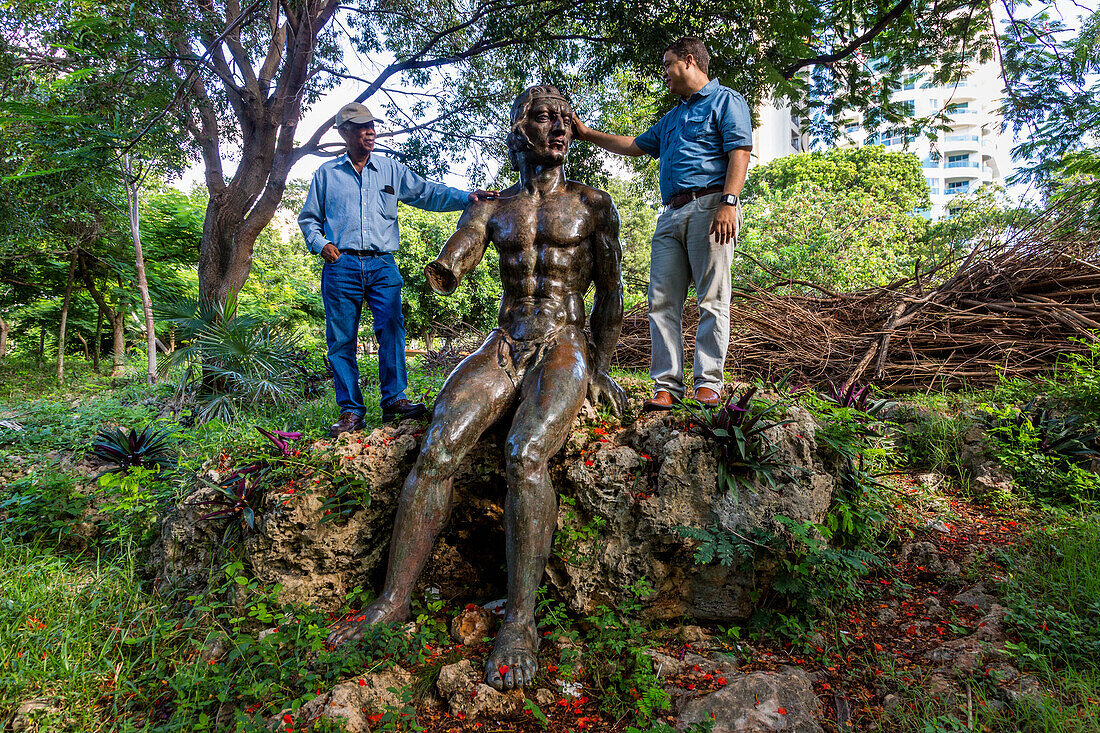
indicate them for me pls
(1012, 306)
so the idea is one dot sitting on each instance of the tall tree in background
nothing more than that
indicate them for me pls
(243, 72)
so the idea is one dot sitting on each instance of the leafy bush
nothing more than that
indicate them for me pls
(228, 360)
(44, 504)
(612, 655)
(132, 503)
(1044, 453)
(1052, 435)
(1077, 381)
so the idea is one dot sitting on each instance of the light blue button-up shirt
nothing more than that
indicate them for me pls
(694, 140)
(359, 211)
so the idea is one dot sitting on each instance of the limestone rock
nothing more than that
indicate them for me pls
(351, 702)
(644, 502)
(644, 483)
(26, 713)
(472, 625)
(464, 689)
(976, 597)
(182, 556)
(759, 702)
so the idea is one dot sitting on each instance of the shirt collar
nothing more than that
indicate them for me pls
(709, 88)
(345, 159)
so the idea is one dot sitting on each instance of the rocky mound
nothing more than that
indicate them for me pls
(629, 497)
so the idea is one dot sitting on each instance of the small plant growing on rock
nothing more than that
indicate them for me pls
(151, 449)
(240, 493)
(744, 451)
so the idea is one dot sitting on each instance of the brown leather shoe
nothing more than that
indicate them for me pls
(349, 422)
(403, 410)
(661, 401)
(707, 397)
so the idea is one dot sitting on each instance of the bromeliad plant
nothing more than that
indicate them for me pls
(240, 492)
(153, 448)
(854, 397)
(744, 451)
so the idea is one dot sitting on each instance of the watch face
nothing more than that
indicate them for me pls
(730, 199)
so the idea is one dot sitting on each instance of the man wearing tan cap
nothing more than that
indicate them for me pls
(350, 220)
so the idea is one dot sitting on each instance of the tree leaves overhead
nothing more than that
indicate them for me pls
(1053, 94)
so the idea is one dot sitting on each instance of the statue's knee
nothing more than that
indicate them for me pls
(524, 464)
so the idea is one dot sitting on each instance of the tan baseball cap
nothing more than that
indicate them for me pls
(357, 113)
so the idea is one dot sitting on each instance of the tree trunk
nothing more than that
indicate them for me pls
(4, 328)
(133, 181)
(114, 317)
(83, 342)
(97, 342)
(64, 321)
(41, 345)
(118, 350)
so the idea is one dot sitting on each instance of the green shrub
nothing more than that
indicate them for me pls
(44, 504)
(1043, 454)
(613, 655)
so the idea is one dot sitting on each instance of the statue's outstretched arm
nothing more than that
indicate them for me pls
(462, 251)
(606, 320)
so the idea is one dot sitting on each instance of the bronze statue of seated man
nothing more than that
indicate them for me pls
(554, 237)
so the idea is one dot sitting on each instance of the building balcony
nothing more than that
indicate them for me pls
(962, 164)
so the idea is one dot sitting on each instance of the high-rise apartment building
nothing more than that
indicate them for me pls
(971, 152)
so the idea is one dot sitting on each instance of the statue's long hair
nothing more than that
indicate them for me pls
(517, 142)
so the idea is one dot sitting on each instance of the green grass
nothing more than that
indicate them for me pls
(67, 627)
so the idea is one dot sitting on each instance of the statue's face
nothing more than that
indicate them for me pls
(549, 128)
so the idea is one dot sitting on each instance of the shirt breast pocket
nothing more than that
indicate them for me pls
(389, 203)
(699, 128)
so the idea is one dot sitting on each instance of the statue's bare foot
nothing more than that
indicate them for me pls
(379, 612)
(514, 661)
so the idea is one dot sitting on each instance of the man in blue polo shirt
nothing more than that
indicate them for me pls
(350, 220)
(703, 144)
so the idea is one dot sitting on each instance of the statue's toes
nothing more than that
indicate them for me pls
(494, 678)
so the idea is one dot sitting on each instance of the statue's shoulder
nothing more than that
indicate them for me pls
(590, 196)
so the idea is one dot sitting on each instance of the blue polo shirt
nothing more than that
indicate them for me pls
(358, 211)
(694, 139)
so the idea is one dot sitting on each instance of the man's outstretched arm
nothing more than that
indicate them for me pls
(618, 144)
(462, 251)
(606, 320)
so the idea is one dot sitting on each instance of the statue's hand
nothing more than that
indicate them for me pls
(603, 388)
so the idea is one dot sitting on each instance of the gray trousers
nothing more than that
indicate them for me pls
(682, 252)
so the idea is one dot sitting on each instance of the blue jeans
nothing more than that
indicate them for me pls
(345, 285)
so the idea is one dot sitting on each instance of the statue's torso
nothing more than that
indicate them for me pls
(546, 259)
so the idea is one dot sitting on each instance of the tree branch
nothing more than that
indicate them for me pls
(789, 71)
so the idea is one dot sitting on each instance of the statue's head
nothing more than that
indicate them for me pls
(542, 125)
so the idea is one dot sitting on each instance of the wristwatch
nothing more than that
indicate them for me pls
(731, 198)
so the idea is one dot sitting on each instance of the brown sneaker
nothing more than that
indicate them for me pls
(707, 397)
(661, 401)
(403, 410)
(349, 422)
